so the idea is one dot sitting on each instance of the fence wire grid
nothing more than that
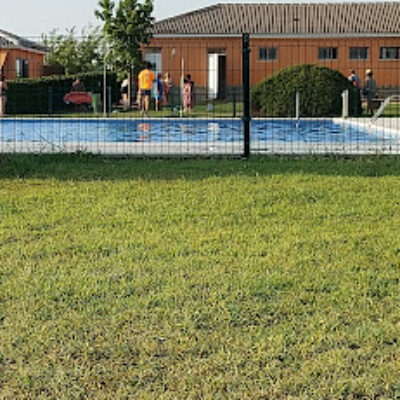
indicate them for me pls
(233, 96)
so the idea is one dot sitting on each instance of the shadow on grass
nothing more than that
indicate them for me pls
(84, 167)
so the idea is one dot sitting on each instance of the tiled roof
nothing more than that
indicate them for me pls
(286, 19)
(10, 41)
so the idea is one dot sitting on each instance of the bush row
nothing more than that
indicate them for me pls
(45, 95)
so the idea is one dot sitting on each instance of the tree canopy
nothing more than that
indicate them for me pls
(77, 54)
(127, 26)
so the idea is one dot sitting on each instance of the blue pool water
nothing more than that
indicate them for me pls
(183, 130)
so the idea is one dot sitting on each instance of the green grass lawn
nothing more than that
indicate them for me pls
(213, 110)
(392, 110)
(273, 278)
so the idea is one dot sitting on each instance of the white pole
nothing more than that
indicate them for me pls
(345, 104)
(105, 89)
(107, 50)
(182, 84)
(297, 106)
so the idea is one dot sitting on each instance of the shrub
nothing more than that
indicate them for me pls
(320, 91)
(45, 95)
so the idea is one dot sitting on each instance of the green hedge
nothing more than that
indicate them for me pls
(320, 91)
(45, 95)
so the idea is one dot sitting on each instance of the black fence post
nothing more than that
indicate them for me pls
(246, 93)
(234, 103)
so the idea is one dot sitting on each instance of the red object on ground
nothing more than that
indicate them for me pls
(78, 98)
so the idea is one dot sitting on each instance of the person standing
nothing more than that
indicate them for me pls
(125, 93)
(369, 91)
(3, 95)
(158, 90)
(356, 89)
(187, 97)
(145, 80)
(188, 94)
(167, 85)
(354, 79)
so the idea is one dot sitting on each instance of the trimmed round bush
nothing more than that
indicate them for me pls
(320, 91)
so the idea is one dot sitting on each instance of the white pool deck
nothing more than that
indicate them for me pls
(387, 127)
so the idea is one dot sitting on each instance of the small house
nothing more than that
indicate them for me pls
(19, 57)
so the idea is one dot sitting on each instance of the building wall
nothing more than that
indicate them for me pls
(291, 52)
(190, 56)
(36, 61)
(194, 52)
(3, 56)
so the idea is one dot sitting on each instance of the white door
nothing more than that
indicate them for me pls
(212, 76)
(155, 58)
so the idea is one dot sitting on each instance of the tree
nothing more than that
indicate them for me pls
(126, 27)
(76, 54)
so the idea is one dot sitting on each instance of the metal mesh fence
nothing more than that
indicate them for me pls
(196, 102)
(318, 114)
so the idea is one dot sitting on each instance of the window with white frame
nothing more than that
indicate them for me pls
(22, 68)
(389, 53)
(328, 53)
(358, 53)
(267, 54)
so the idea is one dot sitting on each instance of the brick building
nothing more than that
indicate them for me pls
(207, 42)
(19, 57)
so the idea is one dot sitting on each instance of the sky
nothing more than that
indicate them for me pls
(32, 18)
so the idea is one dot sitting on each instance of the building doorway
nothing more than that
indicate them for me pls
(154, 57)
(216, 88)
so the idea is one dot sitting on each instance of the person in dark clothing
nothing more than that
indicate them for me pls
(78, 86)
(369, 91)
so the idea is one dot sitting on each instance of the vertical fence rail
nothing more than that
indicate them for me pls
(246, 93)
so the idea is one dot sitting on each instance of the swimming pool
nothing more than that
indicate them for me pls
(191, 135)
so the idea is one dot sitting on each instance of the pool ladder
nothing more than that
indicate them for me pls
(382, 107)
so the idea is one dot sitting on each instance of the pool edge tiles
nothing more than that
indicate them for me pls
(382, 125)
(296, 148)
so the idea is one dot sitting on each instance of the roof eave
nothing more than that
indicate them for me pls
(14, 47)
(276, 35)
(17, 42)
